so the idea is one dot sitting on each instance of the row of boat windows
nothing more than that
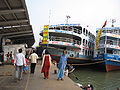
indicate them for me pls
(111, 42)
(77, 30)
(85, 52)
(85, 42)
(109, 51)
(112, 31)
(88, 52)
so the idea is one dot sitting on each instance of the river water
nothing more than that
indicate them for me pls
(99, 79)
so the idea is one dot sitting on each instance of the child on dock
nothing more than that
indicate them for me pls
(25, 67)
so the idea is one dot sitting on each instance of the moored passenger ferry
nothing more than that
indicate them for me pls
(108, 48)
(77, 40)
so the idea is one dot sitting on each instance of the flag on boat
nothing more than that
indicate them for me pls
(99, 35)
(104, 24)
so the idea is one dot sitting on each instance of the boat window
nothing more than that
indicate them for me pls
(77, 55)
(86, 42)
(80, 41)
(66, 28)
(101, 41)
(111, 42)
(85, 52)
(50, 38)
(88, 52)
(80, 50)
(71, 40)
(119, 52)
(92, 45)
(109, 51)
(115, 52)
(102, 51)
(109, 31)
(72, 55)
(79, 31)
(119, 43)
(75, 30)
(84, 31)
(89, 44)
(115, 31)
(92, 53)
(74, 41)
(51, 28)
(89, 34)
(83, 41)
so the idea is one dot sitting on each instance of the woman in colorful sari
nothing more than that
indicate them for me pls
(61, 66)
(46, 63)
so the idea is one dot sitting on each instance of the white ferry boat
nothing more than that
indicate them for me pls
(77, 40)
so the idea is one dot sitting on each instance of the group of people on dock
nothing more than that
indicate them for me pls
(46, 62)
(21, 64)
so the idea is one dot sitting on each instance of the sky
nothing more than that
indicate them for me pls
(85, 12)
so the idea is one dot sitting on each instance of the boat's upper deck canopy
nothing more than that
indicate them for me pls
(64, 25)
(113, 29)
(14, 22)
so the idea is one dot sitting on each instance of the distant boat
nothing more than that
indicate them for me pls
(108, 48)
(78, 41)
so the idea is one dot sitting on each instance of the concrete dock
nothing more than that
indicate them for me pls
(33, 81)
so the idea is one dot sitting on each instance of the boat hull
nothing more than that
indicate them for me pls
(112, 65)
(73, 60)
(56, 53)
(108, 65)
(109, 62)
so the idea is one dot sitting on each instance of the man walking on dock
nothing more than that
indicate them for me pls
(19, 62)
(33, 59)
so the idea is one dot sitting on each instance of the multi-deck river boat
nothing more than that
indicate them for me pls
(108, 48)
(77, 40)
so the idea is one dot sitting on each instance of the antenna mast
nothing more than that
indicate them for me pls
(49, 16)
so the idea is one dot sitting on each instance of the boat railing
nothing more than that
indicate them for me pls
(112, 31)
(75, 30)
(110, 42)
(54, 38)
(86, 44)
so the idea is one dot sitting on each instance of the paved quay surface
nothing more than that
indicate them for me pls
(33, 81)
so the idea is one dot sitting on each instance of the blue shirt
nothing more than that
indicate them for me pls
(63, 62)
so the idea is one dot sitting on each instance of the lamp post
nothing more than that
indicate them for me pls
(113, 21)
(67, 18)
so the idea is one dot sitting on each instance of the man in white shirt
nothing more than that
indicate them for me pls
(33, 59)
(19, 62)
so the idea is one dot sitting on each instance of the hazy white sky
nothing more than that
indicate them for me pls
(86, 12)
